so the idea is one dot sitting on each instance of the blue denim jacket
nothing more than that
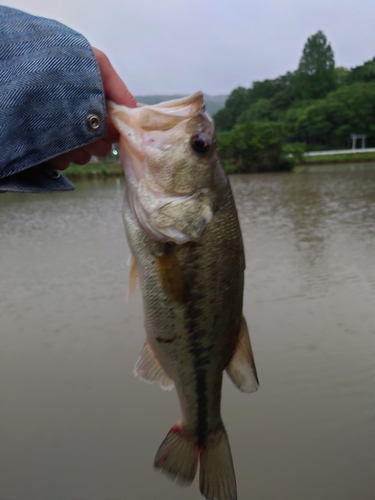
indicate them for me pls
(50, 87)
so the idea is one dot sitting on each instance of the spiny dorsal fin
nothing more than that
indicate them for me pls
(149, 369)
(133, 275)
(241, 368)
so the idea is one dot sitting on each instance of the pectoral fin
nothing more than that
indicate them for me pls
(133, 275)
(170, 273)
(149, 369)
(241, 368)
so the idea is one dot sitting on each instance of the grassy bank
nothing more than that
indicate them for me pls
(344, 158)
(95, 170)
(102, 170)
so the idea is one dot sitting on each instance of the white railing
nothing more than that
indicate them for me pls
(340, 152)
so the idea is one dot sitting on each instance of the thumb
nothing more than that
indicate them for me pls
(114, 88)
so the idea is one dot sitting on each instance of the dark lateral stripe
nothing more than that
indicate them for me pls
(202, 425)
(200, 353)
(200, 361)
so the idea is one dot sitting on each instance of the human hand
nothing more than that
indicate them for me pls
(114, 89)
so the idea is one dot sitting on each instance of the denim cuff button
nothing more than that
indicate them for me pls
(93, 121)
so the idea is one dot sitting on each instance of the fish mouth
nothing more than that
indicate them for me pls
(159, 117)
(167, 115)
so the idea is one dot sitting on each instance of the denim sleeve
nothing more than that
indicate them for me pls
(51, 99)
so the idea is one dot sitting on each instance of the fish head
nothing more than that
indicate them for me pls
(168, 152)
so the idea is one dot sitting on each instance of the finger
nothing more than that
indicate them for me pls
(112, 135)
(114, 88)
(61, 162)
(98, 148)
(80, 156)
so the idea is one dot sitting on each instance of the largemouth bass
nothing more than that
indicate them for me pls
(187, 252)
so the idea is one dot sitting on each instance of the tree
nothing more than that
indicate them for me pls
(364, 73)
(254, 147)
(316, 71)
(265, 89)
(286, 94)
(260, 111)
(235, 105)
(341, 75)
(328, 122)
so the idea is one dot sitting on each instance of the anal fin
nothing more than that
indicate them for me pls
(149, 369)
(241, 368)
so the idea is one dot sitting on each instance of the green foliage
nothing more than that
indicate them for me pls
(254, 147)
(330, 121)
(341, 75)
(264, 101)
(364, 73)
(90, 170)
(269, 102)
(296, 149)
(316, 71)
(316, 107)
(263, 90)
(286, 94)
(237, 101)
(261, 110)
(279, 91)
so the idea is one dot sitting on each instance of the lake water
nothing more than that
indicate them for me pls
(75, 423)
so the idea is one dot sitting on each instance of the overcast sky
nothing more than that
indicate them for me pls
(179, 46)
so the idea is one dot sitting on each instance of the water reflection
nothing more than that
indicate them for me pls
(326, 216)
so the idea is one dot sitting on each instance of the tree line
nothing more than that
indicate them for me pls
(316, 107)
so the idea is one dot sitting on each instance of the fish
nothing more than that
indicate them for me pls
(187, 253)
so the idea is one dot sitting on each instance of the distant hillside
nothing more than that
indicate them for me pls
(213, 102)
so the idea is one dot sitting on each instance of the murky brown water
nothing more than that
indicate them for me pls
(75, 424)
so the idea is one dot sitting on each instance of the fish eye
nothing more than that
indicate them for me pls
(200, 143)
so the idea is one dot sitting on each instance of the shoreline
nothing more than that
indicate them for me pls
(339, 158)
(114, 169)
(95, 170)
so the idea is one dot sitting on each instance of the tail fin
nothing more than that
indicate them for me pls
(216, 476)
(178, 457)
